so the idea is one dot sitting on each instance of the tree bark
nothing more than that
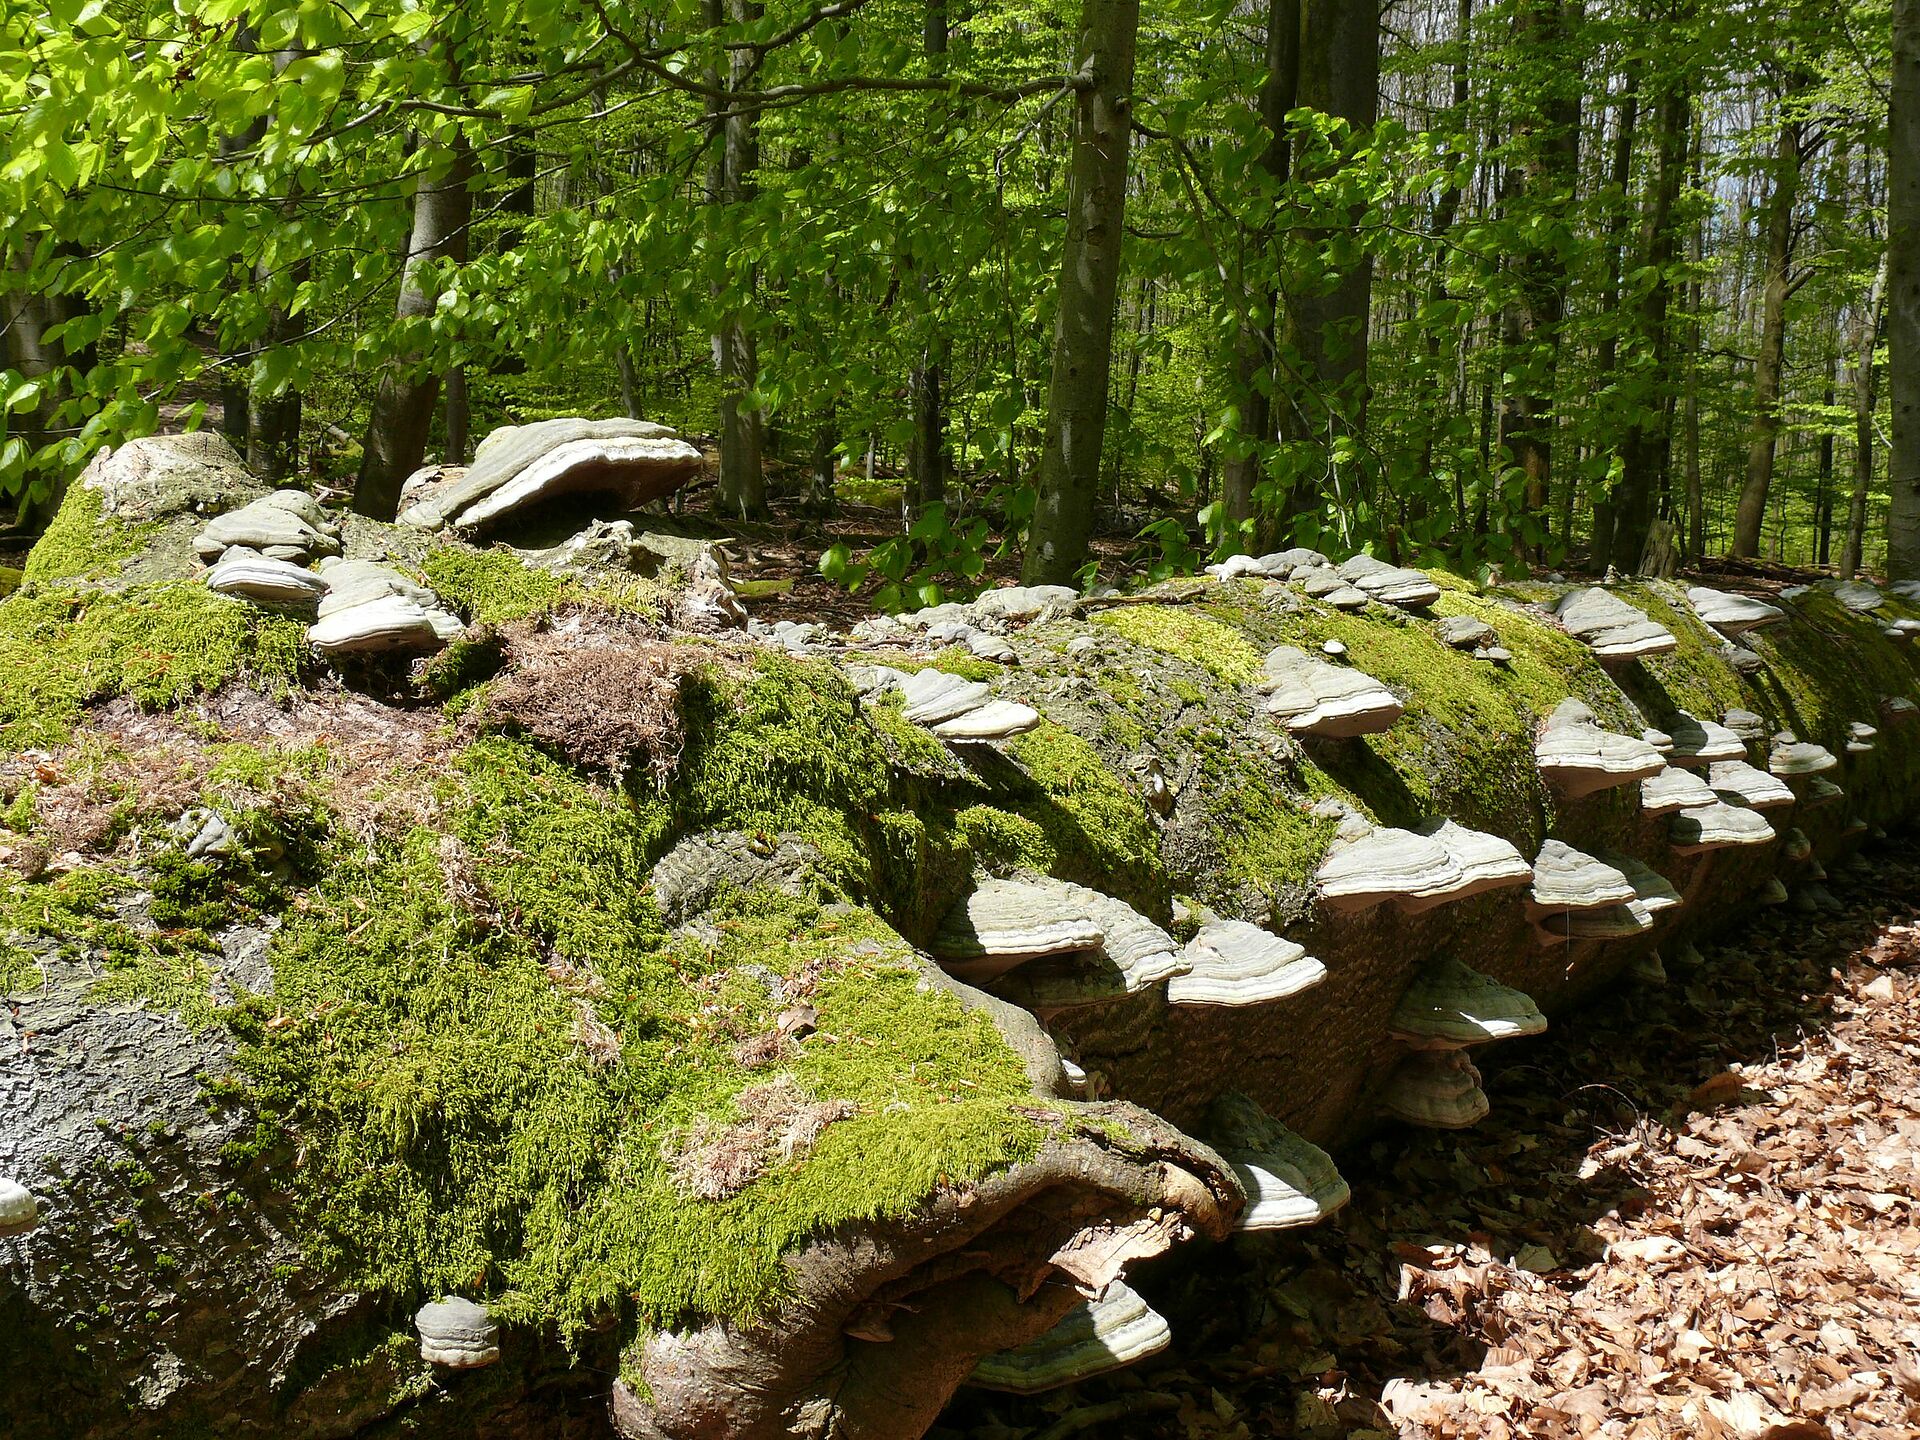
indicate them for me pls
(1644, 450)
(1607, 358)
(1549, 136)
(928, 464)
(1903, 293)
(743, 484)
(396, 438)
(1771, 360)
(1327, 324)
(1865, 340)
(1255, 337)
(1089, 280)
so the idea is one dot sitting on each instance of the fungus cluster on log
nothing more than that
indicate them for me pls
(904, 964)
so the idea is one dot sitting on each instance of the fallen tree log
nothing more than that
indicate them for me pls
(767, 1027)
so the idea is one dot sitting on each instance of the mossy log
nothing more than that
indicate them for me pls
(580, 967)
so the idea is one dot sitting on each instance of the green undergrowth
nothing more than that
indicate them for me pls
(429, 1041)
(61, 650)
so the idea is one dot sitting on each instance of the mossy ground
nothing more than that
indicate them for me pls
(83, 542)
(62, 649)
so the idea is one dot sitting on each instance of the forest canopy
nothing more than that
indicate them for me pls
(1531, 280)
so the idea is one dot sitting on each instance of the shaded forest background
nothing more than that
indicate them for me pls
(1488, 281)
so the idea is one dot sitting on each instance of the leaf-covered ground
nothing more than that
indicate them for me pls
(1692, 1213)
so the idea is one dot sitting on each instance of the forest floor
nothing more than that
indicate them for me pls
(1691, 1213)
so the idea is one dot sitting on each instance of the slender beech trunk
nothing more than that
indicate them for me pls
(1327, 323)
(1089, 280)
(1445, 210)
(1771, 361)
(1823, 473)
(396, 437)
(1643, 452)
(928, 464)
(1903, 293)
(1255, 336)
(743, 486)
(1549, 135)
(1695, 543)
(1866, 338)
(1607, 360)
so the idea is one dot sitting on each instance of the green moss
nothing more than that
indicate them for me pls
(458, 1132)
(1005, 840)
(1097, 826)
(83, 542)
(73, 915)
(1188, 634)
(61, 650)
(493, 587)
(913, 746)
(9, 580)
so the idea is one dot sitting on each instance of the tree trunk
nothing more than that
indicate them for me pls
(1089, 279)
(1865, 340)
(1903, 292)
(928, 465)
(396, 438)
(1773, 342)
(1327, 324)
(1607, 360)
(743, 484)
(1255, 336)
(1823, 484)
(1548, 133)
(1644, 451)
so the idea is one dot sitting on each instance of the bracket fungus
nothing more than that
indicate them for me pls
(1739, 783)
(286, 525)
(1289, 1181)
(954, 708)
(1416, 870)
(1390, 584)
(1449, 1005)
(1004, 923)
(19, 1211)
(1796, 846)
(1674, 789)
(1860, 737)
(1132, 955)
(1230, 962)
(1325, 584)
(273, 584)
(1465, 632)
(457, 1333)
(1774, 892)
(1858, 596)
(1611, 628)
(1578, 758)
(1701, 742)
(1652, 891)
(1313, 697)
(1438, 1089)
(1716, 827)
(1113, 1330)
(1647, 969)
(631, 462)
(1792, 756)
(1821, 791)
(1568, 879)
(369, 609)
(1732, 614)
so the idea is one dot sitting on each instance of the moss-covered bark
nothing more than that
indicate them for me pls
(454, 1014)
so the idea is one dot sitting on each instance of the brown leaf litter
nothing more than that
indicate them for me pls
(1692, 1213)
